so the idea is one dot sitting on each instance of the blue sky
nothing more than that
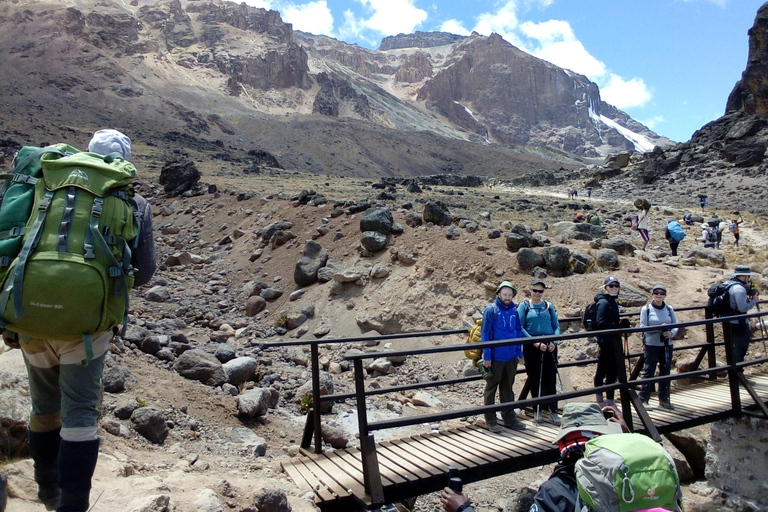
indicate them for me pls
(670, 64)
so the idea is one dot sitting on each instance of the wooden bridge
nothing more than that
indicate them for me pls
(389, 471)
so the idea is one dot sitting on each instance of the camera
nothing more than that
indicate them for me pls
(454, 482)
(609, 413)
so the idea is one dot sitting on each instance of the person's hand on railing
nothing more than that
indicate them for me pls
(453, 501)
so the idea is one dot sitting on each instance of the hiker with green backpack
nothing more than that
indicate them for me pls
(74, 239)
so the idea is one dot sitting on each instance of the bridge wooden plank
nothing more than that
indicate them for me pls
(321, 487)
(386, 468)
(439, 458)
(349, 474)
(500, 440)
(458, 448)
(407, 467)
(297, 476)
(337, 482)
(499, 446)
(418, 461)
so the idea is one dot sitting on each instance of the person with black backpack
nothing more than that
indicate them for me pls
(657, 344)
(65, 373)
(607, 317)
(741, 298)
(539, 318)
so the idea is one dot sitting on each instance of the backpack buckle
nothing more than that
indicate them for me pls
(97, 207)
(24, 178)
(110, 239)
(17, 231)
(5, 261)
(115, 271)
(89, 255)
(45, 203)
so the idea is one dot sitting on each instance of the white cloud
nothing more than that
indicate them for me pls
(503, 22)
(653, 122)
(392, 17)
(719, 3)
(454, 27)
(263, 4)
(556, 43)
(625, 94)
(312, 17)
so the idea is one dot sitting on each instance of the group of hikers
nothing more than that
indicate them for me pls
(573, 192)
(580, 422)
(711, 231)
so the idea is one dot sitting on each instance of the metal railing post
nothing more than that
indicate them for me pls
(621, 372)
(733, 370)
(315, 352)
(710, 330)
(371, 476)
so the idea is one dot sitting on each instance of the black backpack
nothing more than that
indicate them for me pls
(589, 319)
(719, 303)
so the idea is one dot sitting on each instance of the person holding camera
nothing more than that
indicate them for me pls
(742, 297)
(657, 344)
(580, 423)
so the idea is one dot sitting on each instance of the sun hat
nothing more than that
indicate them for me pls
(609, 280)
(106, 142)
(506, 284)
(743, 270)
(585, 416)
(659, 287)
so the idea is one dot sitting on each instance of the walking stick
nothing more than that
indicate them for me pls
(541, 375)
(763, 332)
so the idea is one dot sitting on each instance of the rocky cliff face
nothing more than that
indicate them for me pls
(751, 92)
(418, 40)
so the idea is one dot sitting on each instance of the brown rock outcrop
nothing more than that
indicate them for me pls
(751, 92)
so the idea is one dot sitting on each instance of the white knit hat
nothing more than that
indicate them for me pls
(105, 142)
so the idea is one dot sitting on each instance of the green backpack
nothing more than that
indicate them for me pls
(627, 472)
(71, 275)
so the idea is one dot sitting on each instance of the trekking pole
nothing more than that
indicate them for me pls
(763, 331)
(557, 371)
(541, 375)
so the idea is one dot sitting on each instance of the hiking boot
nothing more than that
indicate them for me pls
(554, 418)
(515, 424)
(495, 428)
(666, 405)
(44, 449)
(646, 403)
(538, 418)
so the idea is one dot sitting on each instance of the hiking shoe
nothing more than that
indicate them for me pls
(666, 405)
(515, 425)
(495, 428)
(554, 418)
(645, 403)
(538, 418)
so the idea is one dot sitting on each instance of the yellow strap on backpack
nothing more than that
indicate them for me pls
(474, 337)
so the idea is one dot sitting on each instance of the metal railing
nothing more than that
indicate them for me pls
(625, 385)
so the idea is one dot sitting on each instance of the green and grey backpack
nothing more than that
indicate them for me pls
(627, 472)
(66, 273)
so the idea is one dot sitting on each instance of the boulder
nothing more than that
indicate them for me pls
(312, 259)
(580, 262)
(619, 244)
(150, 423)
(335, 436)
(240, 370)
(452, 233)
(578, 230)
(178, 176)
(14, 403)
(629, 296)
(515, 242)
(373, 241)
(253, 443)
(115, 377)
(377, 219)
(707, 257)
(158, 294)
(437, 213)
(196, 364)
(607, 258)
(332, 266)
(254, 402)
(271, 499)
(527, 258)
(413, 219)
(556, 259)
(255, 305)
(326, 388)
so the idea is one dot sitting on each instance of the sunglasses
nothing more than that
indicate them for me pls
(659, 293)
(533, 290)
(614, 285)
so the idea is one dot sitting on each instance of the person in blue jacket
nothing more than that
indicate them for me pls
(539, 318)
(500, 322)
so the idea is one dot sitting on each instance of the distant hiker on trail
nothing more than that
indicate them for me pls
(688, 219)
(657, 344)
(742, 298)
(65, 375)
(501, 322)
(589, 192)
(708, 236)
(581, 422)
(703, 202)
(733, 227)
(642, 220)
(721, 227)
(607, 318)
(674, 234)
(575, 193)
(539, 318)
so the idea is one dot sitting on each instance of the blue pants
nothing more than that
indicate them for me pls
(663, 357)
(66, 395)
(741, 336)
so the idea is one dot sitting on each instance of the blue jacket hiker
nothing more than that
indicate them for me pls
(539, 318)
(500, 322)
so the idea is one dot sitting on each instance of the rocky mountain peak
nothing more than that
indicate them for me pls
(418, 40)
(751, 92)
